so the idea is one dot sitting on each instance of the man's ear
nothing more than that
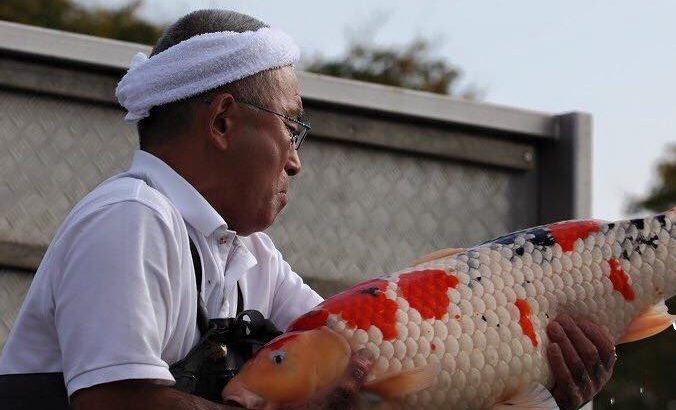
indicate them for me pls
(220, 116)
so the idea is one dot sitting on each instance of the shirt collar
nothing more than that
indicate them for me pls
(194, 209)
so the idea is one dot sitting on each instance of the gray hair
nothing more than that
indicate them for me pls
(169, 119)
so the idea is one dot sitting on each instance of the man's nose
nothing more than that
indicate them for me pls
(292, 167)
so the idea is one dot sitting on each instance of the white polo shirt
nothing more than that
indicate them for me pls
(114, 297)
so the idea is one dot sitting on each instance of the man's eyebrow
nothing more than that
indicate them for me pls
(296, 113)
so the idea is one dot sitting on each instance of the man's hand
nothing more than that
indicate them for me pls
(139, 395)
(581, 355)
(345, 395)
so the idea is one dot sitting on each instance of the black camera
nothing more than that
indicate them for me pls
(221, 353)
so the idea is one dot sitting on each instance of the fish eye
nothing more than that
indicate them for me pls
(277, 356)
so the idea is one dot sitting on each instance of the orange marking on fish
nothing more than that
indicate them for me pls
(361, 306)
(566, 233)
(425, 291)
(524, 320)
(433, 347)
(278, 342)
(457, 317)
(620, 280)
(281, 340)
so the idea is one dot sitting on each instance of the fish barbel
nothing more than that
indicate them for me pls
(468, 331)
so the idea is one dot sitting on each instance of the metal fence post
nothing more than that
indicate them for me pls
(566, 170)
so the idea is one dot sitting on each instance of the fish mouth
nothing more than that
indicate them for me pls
(236, 393)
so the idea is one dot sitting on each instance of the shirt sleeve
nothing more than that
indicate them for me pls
(292, 297)
(114, 298)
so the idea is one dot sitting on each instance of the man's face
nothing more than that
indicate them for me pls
(263, 157)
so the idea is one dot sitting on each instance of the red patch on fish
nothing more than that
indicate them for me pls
(566, 233)
(620, 280)
(311, 320)
(524, 320)
(425, 291)
(361, 306)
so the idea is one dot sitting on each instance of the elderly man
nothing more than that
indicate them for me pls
(113, 303)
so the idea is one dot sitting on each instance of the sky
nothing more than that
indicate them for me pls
(613, 59)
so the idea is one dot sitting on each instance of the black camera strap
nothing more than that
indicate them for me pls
(202, 314)
(225, 344)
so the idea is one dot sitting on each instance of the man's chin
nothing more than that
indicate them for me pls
(280, 201)
(264, 222)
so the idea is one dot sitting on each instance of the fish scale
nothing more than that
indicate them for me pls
(481, 315)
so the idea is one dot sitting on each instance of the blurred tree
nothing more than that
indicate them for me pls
(412, 66)
(663, 195)
(121, 23)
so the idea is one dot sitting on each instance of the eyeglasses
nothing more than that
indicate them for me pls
(298, 133)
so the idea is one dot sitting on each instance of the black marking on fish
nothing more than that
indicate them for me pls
(484, 318)
(546, 315)
(478, 278)
(611, 225)
(651, 241)
(638, 223)
(635, 244)
(509, 238)
(662, 219)
(373, 291)
(519, 251)
(538, 236)
(542, 237)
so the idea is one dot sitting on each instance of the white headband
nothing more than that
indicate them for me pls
(199, 64)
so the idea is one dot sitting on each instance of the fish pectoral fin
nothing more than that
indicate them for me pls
(649, 323)
(441, 253)
(536, 398)
(404, 383)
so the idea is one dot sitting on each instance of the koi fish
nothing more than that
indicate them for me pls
(467, 330)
